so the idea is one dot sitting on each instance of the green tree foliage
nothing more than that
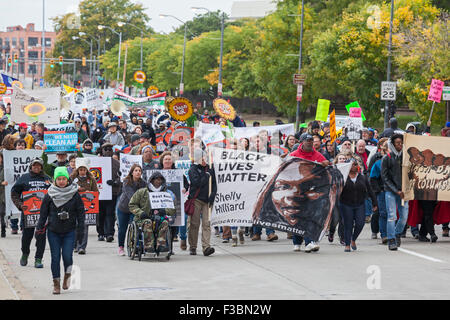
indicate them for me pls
(202, 23)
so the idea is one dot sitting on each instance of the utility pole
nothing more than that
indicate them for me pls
(43, 40)
(297, 115)
(220, 85)
(386, 104)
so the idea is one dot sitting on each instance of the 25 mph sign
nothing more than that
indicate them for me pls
(388, 90)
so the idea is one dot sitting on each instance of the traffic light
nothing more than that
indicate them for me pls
(100, 82)
(9, 62)
(83, 61)
(61, 60)
(52, 63)
(77, 83)
(15, 58)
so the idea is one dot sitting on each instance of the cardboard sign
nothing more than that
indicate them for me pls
(355, 112)
(91, 207)
(323, 107)
(161, 200)
(60, 141)
(436, 88)
(355, 104)
(224, 109)
(32, 201)
(333, 133)
(126, 162)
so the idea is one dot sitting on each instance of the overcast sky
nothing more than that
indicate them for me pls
(21, 12)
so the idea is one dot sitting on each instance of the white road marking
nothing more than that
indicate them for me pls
(420, 255)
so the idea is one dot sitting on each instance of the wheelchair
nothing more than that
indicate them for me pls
(135, 242)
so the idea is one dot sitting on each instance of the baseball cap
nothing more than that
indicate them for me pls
(305, 136)
(23, 125)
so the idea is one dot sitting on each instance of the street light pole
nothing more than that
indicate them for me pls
(100, 27)
(386, 104)
(43, 40)
(297, 115)
(222, 27)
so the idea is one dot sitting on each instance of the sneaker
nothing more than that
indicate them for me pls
(398, 240)
(217, 233)
(433, 237)
(341, 241)
(256, 237)
(392, 245)
(297, 247)
(272, 237)
(445, 233)
(82, 251)
(208, 251)
(38, 263)
(109, 239)
(101, 238)
(183, 245)
(14, 231)
(384, 240)
(234, 242)
(330, 237)
(374, 236)
(24, 260)
(309, 247)
(193, 252)
(423, 238)
(225, 240)
(241, 236)
(75, 250)
(121, 251)
(315, 247)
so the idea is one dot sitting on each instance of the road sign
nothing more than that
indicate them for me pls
(299, 92)
(219, 89)
(446, 94)
(140, 76)
(299, 79)
(181, 88)
(388, 90)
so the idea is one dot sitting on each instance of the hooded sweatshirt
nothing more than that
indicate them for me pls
(311, 156)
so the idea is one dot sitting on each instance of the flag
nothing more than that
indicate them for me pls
(70, 89)
(7, 80)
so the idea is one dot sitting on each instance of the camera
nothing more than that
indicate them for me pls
(64, 215)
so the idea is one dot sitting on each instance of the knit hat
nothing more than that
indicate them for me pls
(61, 172)
(82, 162)
(39, 143)
(447, 125)
(135, 137)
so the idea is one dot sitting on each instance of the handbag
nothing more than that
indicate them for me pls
(189, 205)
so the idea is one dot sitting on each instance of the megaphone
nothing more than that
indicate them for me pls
(118, 107)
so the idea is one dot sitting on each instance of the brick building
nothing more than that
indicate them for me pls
(27, 44)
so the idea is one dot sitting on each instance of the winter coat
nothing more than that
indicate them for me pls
(49, 212)
(153, 165)
(115, 139)
(355, 193)
(311, 156)
(199, 179)
(128, 190)
(391, 170)
(86, 183)
(28, 182)
(2, 187)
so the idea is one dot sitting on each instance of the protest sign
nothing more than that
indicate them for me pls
(436, 88)
(42, 105)
(211, 137)
(355, 112)
(91, 207)
(180, 109)
(92, 99)
(426, 168)
(224, 109)
(354, 128)
(161, 200)
(299, 198)
(66, 127)
(175, 185)
(32, 201)
(239, 176)
(355, 104)
(126, 162)
(16, 164)
(184, 165)
(60, 141)
(137, 102)
(323, 107)
(248, 132)
(101, 169)
(333, 134)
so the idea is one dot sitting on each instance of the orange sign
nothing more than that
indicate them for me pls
(3, 88)
(32, 201)
(180, 109)
(91, 206)
(140, 76)
(333, 134)
(224, 109)
(151, 91)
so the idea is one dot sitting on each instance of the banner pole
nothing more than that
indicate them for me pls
(431, 113)
(210, 184)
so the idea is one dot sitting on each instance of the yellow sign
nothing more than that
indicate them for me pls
(151, 91)
(333, 134)
(34, 109)
(139, 76)
(17, 83)
(224, 109)
(3, 88)
(180, 109)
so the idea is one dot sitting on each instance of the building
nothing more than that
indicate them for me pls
(27, 44)
(252, 9)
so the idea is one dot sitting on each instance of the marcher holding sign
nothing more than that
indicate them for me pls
(62, 212)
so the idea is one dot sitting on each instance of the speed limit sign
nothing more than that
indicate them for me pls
(388, 90)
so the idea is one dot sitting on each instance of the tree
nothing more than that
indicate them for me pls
(202, 23)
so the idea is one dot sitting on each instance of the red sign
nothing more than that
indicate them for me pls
(436, 90)
(32, 201)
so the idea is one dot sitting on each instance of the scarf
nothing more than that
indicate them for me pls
(61, 196)
(154, 189)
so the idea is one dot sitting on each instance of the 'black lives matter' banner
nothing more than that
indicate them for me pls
(426, 168)
(296, 196)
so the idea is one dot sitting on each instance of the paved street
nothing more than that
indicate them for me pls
(256, 270)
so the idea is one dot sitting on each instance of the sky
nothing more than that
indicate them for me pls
(21, 12)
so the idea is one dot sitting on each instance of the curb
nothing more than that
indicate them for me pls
(16, 289)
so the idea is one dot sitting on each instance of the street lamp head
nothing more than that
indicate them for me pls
(120, 23)
(100, 27)
(75, 38)
(162, 16)
(81, 33)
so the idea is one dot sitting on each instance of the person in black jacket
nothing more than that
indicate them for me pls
(63, 211)
(356, 191)
(36, 179)
(199, 177)
(391, 174)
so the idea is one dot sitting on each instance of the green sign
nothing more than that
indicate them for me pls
(323, 107)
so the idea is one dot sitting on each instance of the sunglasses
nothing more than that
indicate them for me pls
(108, 149)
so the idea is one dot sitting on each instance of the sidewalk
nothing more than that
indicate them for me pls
(10, 286)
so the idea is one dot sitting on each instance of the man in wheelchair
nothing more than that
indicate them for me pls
(154, 221)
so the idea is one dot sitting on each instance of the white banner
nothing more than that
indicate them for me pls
(101, 169)
(126, 162)
(41, 105)
(240, 175)
(93, 100)
(16, 164)
(247, 132)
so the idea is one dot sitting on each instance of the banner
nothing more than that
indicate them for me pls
(247, 132)
(32, 201)
(239, 177)
(92, 99)
(91, 207)
(126, 162)
(42, 105)
(139, 102)
(7, 80)
(174, 181)
(426, 168)
(60, 141)
(101, 169)
(16, 164)
(66, 127)
(161, 200)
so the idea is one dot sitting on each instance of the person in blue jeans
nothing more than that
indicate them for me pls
(391, 174)
(132, 183)
(63, 211)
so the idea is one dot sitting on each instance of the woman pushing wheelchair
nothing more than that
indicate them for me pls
(152, 208)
